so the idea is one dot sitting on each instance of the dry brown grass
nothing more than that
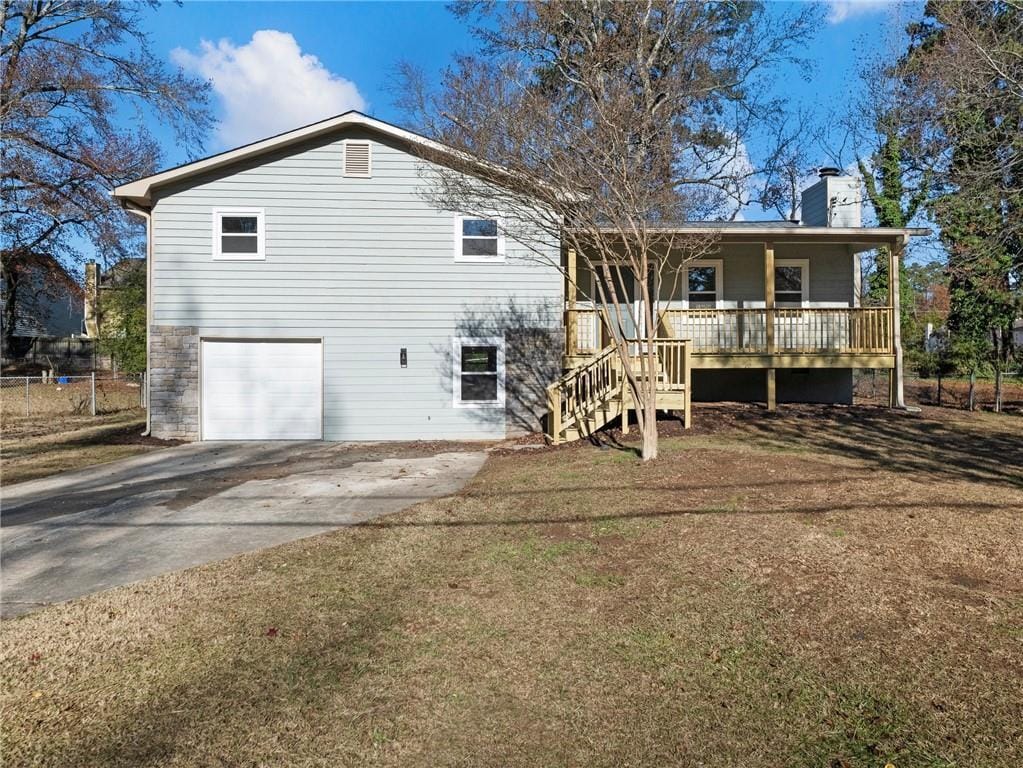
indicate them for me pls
(835, 587)
(50, 407)
(84, 442)
(955, 393)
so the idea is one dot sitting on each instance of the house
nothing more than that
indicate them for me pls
(302, 287)
(40, 300)
(100, 283)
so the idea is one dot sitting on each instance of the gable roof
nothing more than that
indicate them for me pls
(140, 190)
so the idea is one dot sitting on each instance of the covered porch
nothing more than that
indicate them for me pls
(774, 297)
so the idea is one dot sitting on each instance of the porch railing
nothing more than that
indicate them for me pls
(802, 330)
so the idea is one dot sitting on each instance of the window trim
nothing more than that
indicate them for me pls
(344, 159)
(804, 264)
(460, 257)
(217, 224)
(457, 343)
(719, 283)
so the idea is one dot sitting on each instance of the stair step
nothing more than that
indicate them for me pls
(600, 413)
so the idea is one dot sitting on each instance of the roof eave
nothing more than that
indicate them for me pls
(789, 233)
(140, 191)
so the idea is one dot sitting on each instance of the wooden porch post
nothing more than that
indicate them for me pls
(554, 413)
(687, 377)
(571, 331)
(772, 400)
(897, 393)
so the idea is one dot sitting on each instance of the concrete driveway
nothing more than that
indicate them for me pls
(85, 531)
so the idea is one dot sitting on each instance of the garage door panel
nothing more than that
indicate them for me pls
(262, 390)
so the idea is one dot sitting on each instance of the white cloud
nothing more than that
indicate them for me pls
(268, 85)
(842, 10)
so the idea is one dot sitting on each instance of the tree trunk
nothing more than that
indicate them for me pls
(939, 386)
(998, 370)
(10, 315)
(973, 386)
(650, 432)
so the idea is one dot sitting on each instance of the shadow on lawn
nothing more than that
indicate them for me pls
(985, 450)
(710, 510)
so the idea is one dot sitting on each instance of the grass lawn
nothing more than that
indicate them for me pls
(837, 588)
(80, 442)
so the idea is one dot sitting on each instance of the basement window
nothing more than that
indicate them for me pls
(478, 380)
(238, 234)
(478, 240)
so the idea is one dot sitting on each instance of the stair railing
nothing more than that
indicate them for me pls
(581, 391)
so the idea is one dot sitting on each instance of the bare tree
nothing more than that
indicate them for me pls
(71, 77)
(789, 169)
(603, 125)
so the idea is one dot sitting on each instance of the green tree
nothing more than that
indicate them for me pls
(894, 206)
(122, 322)
(928, 285)
(895, 170)
(966, 65)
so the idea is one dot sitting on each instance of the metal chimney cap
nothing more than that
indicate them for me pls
(829, 170)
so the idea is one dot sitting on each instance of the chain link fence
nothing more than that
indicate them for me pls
(43, 399)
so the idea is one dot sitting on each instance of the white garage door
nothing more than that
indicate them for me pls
(262, 390)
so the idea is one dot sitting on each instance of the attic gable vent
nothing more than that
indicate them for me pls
(357, 159)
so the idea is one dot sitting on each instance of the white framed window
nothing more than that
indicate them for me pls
(478, 372)
(478, 239)
(792, 282)
(358, 158)
(704, 284)
(238, 234)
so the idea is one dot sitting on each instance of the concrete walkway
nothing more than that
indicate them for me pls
(101, 527)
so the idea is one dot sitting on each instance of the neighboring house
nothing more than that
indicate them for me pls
(302, 287)
(1017, 334)
(48, 303)
(100, 283)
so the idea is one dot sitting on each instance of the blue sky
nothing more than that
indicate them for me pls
(278, 65)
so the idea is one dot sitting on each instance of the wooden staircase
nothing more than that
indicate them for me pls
(594, 393)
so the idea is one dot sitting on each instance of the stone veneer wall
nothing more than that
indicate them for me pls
(174, 382)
